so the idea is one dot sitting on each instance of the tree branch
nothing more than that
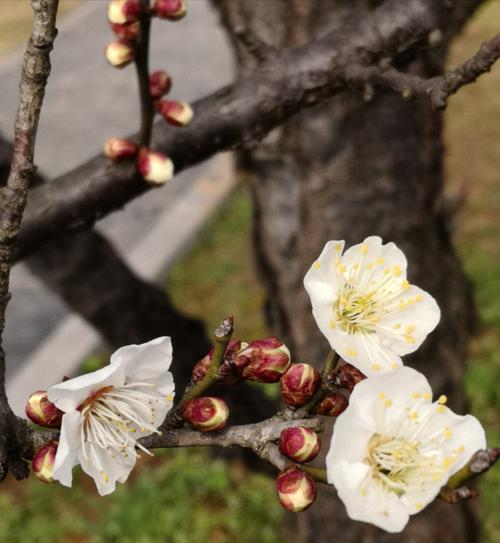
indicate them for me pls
(233, 116)
(35, 72)
(437, 89)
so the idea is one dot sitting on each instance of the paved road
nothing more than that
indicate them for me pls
(87, 102)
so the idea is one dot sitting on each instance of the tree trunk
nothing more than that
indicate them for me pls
(358, 165)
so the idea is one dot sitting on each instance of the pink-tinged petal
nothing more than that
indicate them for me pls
(68, 449)
(70, 394)
(145, 362)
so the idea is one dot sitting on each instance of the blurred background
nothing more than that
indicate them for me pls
(187, 496)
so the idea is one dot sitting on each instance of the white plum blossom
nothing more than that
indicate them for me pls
(393, 448)
(107, 411)
(365, 307)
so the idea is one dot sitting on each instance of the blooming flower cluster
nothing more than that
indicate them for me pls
(393, 448)
(106, 412)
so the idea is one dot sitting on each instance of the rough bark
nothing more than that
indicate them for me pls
(362, 164)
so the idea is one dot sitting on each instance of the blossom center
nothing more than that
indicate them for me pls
(397, 462)
(110, 418)
(356, 312)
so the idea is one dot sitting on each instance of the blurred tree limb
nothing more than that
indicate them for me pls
(246, 111)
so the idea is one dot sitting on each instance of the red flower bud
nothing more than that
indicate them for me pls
(202, 366)
(299, 384)
(263, 360)
(127, 32)
(169, 9)
(117, 149)
(43, 412)
(175, 113)
(347, 376)
(119, 54)
(332, 405)
(43, 462)
(124, 11)
(300, 444)
(159, 84)
(155, 168)
(206, 414)
(296, 490)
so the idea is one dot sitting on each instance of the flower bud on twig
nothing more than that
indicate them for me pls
(175, 113)
(169, 9)
(263, 360)
(117, 149)
(160, 83)
(43, 412)
(347, 376)
(299, 384)
(43, 462)
(206, 414)
(300, 444)
(127, 32)
(119, 54)
(124, 11)
(155, 168)
(202, 366)
(331, 405)
(296, 490)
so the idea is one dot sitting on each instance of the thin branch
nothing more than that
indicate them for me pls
(142, 68)
(436, 89)
(221, 338)
(35, 72)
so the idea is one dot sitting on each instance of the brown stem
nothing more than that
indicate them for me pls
(35, 72)
(142, 68)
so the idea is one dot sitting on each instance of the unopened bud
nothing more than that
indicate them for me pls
(175, 113)
(43, 412)
(296, 490)
(127, 32)
(169, 9)
(347, 376)
(155, 168)
(160, 83)
(332, 405)
(124, 11)
(119, 54)
(300, 444)
(264, 360)
(299, 384)
(206, 414)
(43, 462)
(117, 149)
(202, 366)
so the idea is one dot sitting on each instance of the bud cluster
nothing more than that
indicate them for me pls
(299, 444)
(206, 414)
(299, 384)
(43, 462)
(296, 490)
(263, 360)
(43, 412)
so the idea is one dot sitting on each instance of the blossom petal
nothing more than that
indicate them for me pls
(67, 450)
(375, 260)
(324, 270)
(406, 329)
(69, 394)
(107, 468)
(145, 362)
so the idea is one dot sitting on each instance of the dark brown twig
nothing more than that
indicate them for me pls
(142, 68)
(35, 72)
